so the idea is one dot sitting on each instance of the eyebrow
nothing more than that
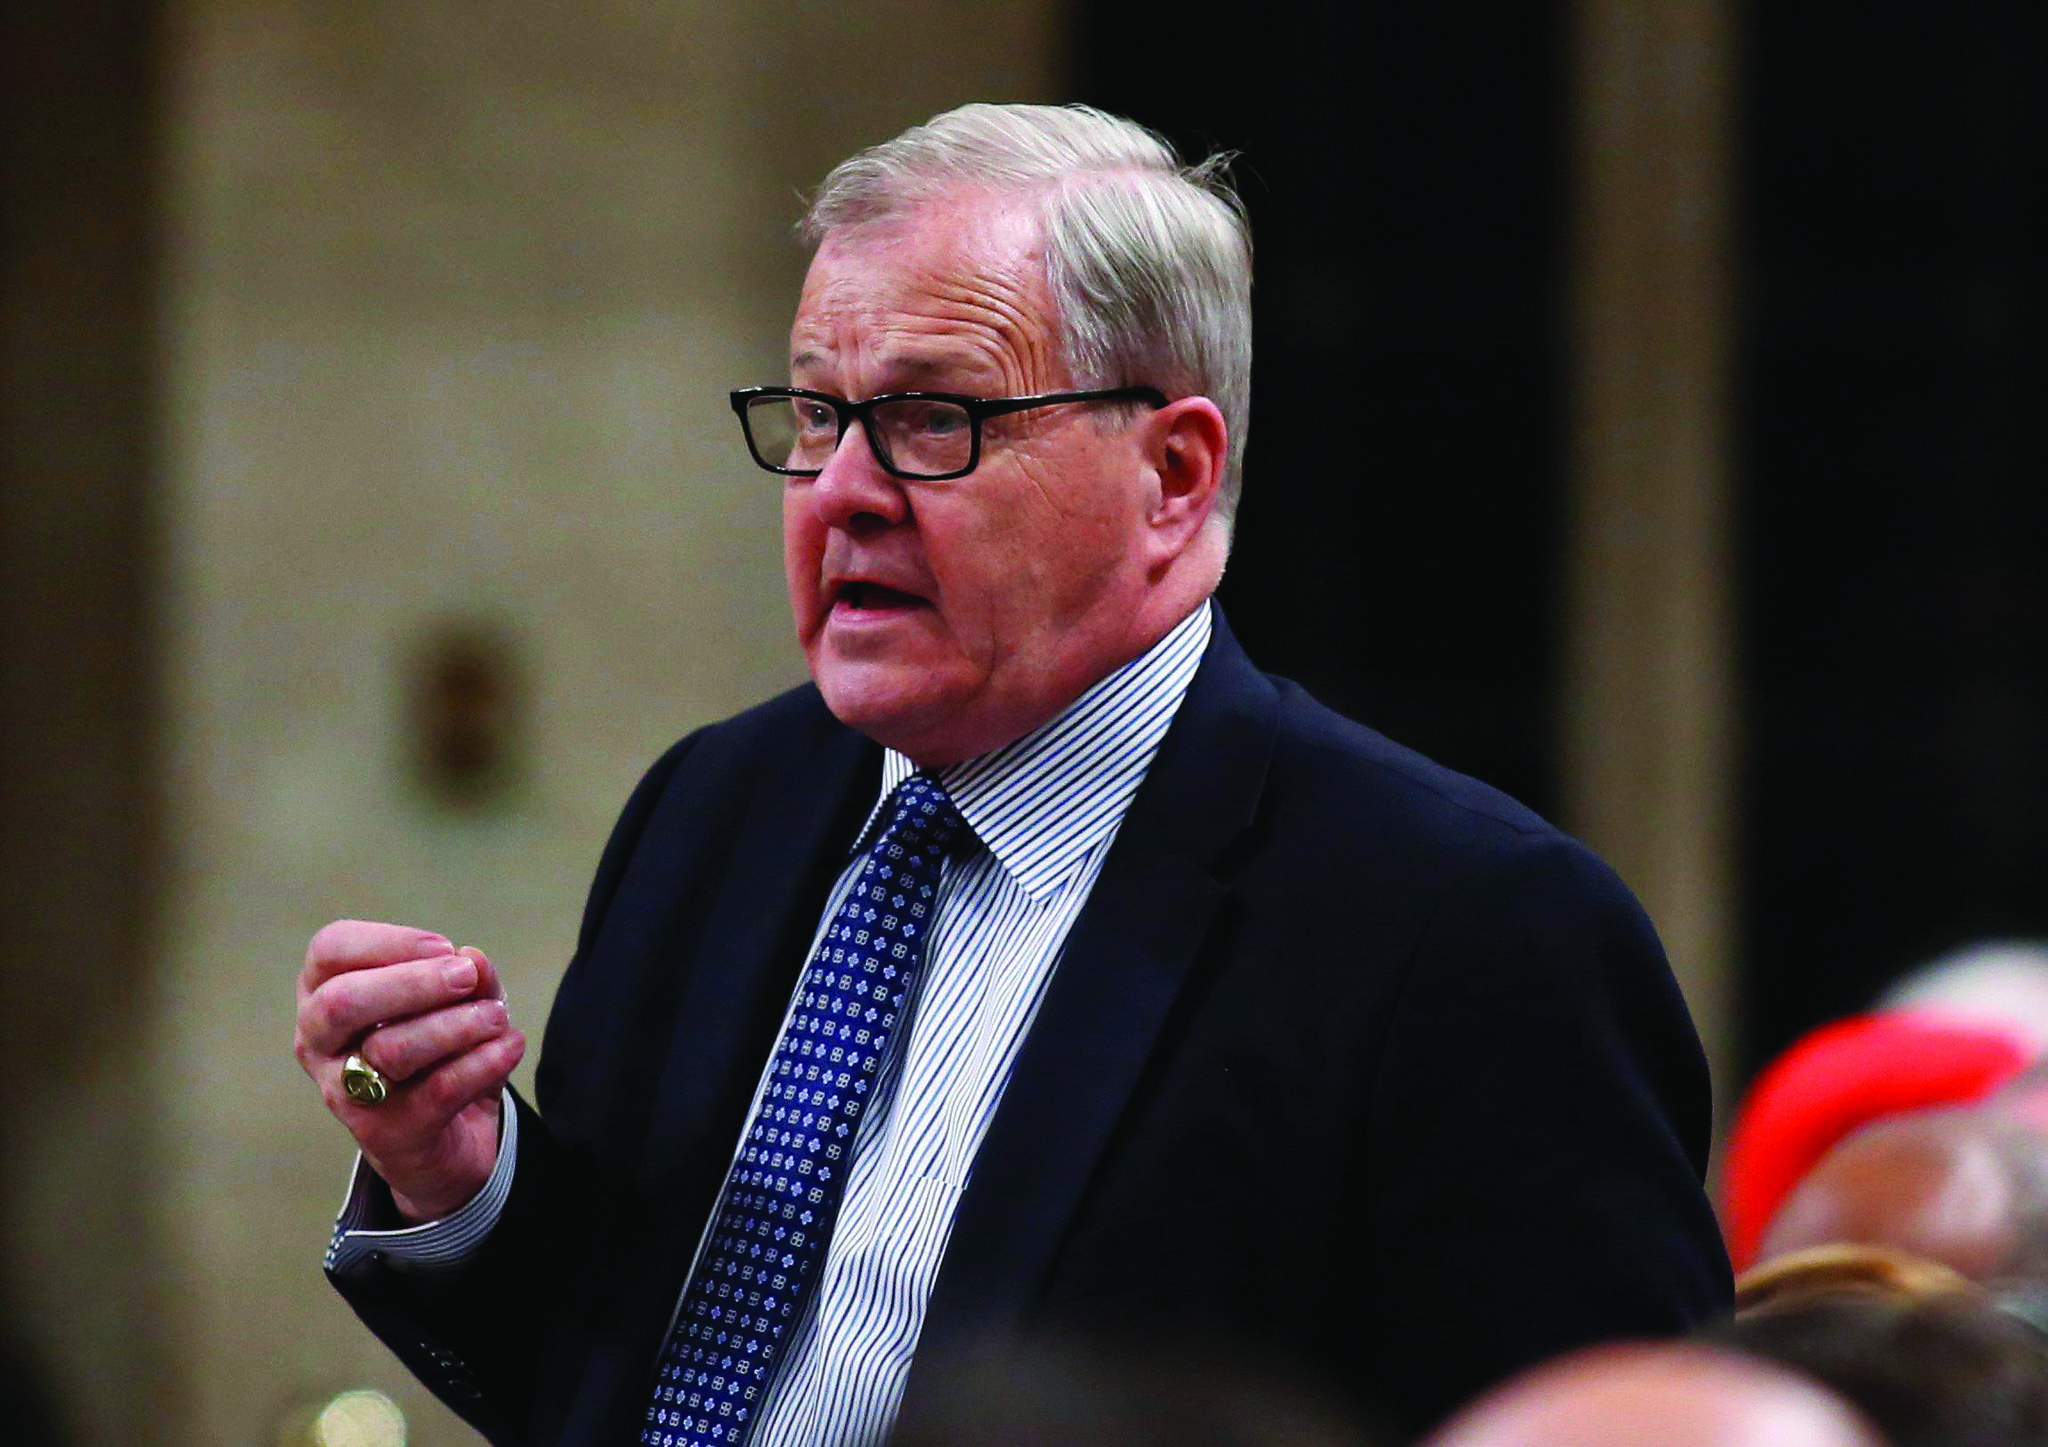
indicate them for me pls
(905, 372)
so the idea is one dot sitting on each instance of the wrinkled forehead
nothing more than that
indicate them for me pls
(971, 214)
(957, 284)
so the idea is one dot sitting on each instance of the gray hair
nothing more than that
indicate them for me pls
(1149, 261)
(1998, 984)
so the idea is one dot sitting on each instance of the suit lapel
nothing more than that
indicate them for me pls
(784, 855)
(778, 859)
(1121, 970)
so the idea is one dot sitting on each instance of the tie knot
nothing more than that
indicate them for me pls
(923, 813)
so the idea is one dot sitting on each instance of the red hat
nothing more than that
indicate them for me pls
(1836, 1078)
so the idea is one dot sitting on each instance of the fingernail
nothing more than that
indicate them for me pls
(460, 976)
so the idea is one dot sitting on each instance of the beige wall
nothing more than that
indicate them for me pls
(453, 294)
(1649, 721)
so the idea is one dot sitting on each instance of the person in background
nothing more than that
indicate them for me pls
(1684, 1395)
(1993, 984)
(1966, 1186)
(1939, 1369)
(1952, 1033)
(1850, 1269)
(1191, 1395)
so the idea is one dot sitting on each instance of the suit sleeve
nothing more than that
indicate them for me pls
(477, 1333)
(1540, 1126)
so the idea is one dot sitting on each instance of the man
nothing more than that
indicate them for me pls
(1957, 1030)
(1966, 1186)
(1836, 1079)
(1227, 1016)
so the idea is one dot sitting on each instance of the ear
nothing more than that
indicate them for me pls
(1187, 444)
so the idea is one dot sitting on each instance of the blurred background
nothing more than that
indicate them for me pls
(1640, 425)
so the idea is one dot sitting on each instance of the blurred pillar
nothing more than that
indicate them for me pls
(77, 1259)
(1648, 725)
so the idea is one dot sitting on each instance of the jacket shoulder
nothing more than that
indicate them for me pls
(1329, 773)
(791, 725)
(723, 762)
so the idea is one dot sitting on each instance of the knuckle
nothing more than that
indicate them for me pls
(437, 1094)
(506, 1053)
(384, 1056)
(400, 1054)
(333, 1007)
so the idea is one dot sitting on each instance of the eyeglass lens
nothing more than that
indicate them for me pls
(921, 438)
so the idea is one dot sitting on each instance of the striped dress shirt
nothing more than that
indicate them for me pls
(1044, 811)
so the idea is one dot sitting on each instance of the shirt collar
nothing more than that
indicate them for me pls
(1042, 802)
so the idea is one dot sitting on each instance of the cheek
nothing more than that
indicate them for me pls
(983, 570)
(802, 547)
(1059, 559)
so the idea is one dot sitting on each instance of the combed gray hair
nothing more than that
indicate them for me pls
(1149, 261)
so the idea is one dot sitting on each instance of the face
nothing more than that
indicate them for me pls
(945, 619)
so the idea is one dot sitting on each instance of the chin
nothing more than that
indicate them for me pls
(897, 705)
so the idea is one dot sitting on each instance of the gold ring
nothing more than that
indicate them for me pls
(364, 1082)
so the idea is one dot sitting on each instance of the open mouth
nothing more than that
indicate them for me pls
(875, 598)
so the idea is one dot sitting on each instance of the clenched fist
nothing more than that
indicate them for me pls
(432, 1019)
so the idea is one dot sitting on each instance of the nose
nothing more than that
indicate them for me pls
(853, 488)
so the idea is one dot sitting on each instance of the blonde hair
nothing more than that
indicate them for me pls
(1847, 1268)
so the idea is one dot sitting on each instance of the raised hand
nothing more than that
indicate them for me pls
(432, 1020)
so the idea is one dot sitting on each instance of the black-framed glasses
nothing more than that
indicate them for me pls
(919, 436)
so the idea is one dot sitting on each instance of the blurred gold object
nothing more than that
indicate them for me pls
(1846, 1268)
(360, 1417)
(364, 1083)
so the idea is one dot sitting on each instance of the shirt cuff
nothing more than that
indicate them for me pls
(442, 1244)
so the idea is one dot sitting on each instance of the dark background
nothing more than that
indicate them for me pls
(1402, 537)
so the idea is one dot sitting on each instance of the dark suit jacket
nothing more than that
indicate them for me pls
(1347, 1055)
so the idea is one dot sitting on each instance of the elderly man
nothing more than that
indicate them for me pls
(1044, 969)
(1965, 1186)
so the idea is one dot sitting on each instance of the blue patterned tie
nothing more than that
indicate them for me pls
(775, 1217)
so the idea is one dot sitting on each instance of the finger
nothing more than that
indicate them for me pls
(436, 1140)
(416, 1113)
(357, 944)
(405, 1049)
(489, 985)
(335, 1015)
